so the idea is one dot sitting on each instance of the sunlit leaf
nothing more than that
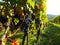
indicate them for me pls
(32, 3)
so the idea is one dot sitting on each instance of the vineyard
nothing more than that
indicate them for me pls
(22, 22)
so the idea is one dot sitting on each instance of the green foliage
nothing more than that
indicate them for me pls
(51, 35)
(2, 3)
(16, 20)
(56, 19)
(31, 2)
(41, 12)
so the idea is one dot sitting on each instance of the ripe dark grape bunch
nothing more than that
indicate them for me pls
(3, 20)
(26, 23)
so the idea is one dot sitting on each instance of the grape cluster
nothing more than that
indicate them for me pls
(37, 22)
(3, 19)
(32, 16)
(26, 23)
(25, 26)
